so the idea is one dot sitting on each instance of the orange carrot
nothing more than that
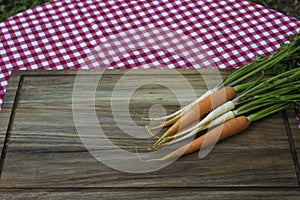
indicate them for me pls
(218, 133)
(196, 112)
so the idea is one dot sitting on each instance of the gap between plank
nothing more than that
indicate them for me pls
(292, 146)
(10, 125)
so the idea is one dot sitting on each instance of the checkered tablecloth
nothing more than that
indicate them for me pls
(62, 34)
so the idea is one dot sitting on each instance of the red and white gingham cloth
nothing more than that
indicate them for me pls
(62, 33)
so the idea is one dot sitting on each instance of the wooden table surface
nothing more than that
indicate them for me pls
(44, 158)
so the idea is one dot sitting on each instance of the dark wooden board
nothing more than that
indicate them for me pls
(293, 130)
(44, 151)
(151, 194)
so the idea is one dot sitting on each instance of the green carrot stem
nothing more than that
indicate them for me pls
(248, 108)
(272, 82)
(244, 86)
(281, 90)
(266, 100)
(269, 111)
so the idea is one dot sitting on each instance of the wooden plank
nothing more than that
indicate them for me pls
(294, 131)
(4, 120)
(149, 194)
(45, 149)
(54, 152)
(41, 90)
(294, 128)
(6, 110)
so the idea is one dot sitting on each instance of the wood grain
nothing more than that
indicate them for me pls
(45, 149)
(4, 121)
(152, 194)
(294, 136)
(7, 106)
(55, 149)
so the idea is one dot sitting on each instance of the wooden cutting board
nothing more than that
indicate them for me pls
(43, 156)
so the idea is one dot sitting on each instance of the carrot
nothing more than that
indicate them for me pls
(196, 129)
(178, 113)
(167, 123)
(261, 97)
(197, 111)
(218, 133)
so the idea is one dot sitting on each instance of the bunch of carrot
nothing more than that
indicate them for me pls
(265, 86)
